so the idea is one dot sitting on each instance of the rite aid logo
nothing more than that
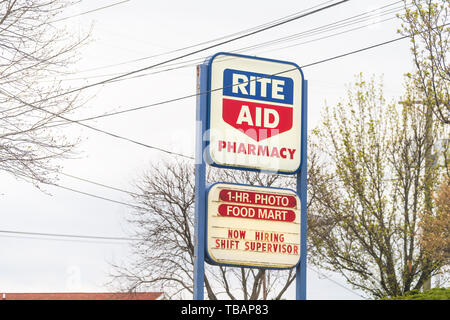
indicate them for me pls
(265, 108)
(254, 113)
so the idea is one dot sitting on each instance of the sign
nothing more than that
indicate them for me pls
(253, 226)
(255, 107)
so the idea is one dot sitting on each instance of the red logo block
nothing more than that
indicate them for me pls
(257, 120)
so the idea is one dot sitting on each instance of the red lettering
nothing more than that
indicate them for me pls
(255, 118)
(258, 198)
(274, 153)
(241, 149)
(291, 153)
(236, 234)
(240, 211)
(255, 150)
(251, 149)
(231, 145)
(263, 150)
(222, 144)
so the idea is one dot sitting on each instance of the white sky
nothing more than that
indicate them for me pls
(137, 29)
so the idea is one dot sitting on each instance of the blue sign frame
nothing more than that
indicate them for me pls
(201, 155)
(208, 64)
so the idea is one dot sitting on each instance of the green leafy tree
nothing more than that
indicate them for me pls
(433, 294)
(368, 178)
(427, 25)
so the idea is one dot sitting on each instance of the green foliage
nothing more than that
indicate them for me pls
(424, 22)
(370, 185)
(433, 294)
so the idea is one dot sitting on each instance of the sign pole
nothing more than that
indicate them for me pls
(302, 192)
(200, 184)
(245, 111)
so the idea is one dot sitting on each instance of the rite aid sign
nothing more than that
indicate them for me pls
(255, 109)
(253, 226)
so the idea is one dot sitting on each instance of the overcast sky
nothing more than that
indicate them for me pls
(137, 29)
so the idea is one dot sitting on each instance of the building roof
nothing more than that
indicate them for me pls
(82, 296)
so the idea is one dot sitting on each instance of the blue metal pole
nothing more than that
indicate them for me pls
(302, 192)
(200, 184)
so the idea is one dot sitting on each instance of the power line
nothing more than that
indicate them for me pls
(152, 66)
(268, 43)
(182, 98)
(98, 184)
(94, 128)
(127, 204)
(94, 195)
(90, 11)
(190, 96)
(315, 31)
(266, 26)
(193, 52)
(326, 29)
(87, 193)
(335, 282)
(208, 41)
(212, 90)
(76, 236)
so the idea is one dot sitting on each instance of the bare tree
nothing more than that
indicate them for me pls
(33, 50)
(164, 256)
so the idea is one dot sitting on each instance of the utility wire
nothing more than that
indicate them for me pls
(257, 28)
(182, 98)
(94, 195)
(98, 184)
(212, 90)
(193, 62)
(76, 236)
(190, 96)
(193, 52)
(87, 193)
(362, 17)
(127, 204)
(94, 128)
(336, 283)
(206, 42)
(152, 66)
(90, 11)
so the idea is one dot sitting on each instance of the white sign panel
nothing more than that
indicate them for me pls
(253, 226)
(255, 113)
